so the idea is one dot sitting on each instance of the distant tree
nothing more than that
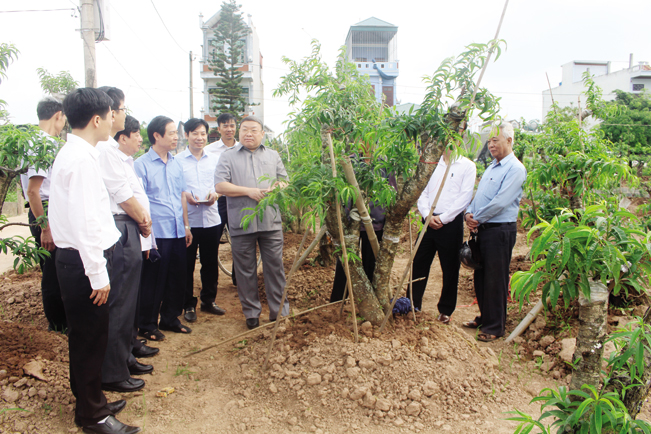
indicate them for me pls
(8, 53)
(20, 147)
(629, 127)
(228, 52)
(57, 85)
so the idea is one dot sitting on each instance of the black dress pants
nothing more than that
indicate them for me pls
(206, 240)
(368, 262)
(492, 280)
(447, 242)
(223, 215)
(163, 286)
(50, 290)
(122, 301)
(87, 336)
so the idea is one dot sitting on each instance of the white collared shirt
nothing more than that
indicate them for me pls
(199, 177)
(80, 211)
(456, 194)
(218, 147)
(121, 180)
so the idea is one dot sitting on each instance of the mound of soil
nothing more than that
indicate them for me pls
(23, 343)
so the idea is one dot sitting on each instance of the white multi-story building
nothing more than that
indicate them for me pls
(372, 45)
(633, 79)
(251, 66)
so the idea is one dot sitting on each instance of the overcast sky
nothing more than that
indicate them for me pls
(152, 67)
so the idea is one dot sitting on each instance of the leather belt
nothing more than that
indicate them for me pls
(495, 225)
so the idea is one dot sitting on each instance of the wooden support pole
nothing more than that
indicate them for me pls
(257, 329)
(361, 206)
(344, 254)
(411, 271)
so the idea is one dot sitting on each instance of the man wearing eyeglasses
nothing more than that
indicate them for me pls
(245, 174)
(132, 220)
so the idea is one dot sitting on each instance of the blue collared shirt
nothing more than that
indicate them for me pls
(199, 177)
(164, 185)
(499, 192)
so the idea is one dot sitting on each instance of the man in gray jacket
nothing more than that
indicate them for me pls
(245, 173)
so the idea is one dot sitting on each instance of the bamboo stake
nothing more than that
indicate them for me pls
(550, 88)
(415, 249)
(311, 247)
(344, 255)
(361, 206)
(411, 272)
(257, 329)
(282, 300)
(447, 170)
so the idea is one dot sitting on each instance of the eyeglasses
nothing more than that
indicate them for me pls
(122, 108)
(246, 131)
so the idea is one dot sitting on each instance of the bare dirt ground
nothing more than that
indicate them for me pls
(422, 376)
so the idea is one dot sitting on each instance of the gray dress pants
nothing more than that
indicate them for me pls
(122, 301)
(244, 258)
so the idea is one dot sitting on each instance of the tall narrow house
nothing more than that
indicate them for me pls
(372, 45)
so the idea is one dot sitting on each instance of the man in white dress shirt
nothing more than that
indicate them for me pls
(227, 126)
(84, 231)
(445, 232)
(199, 173)
(36, 185)
(131, 219)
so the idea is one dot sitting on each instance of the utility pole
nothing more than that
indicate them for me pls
(88, 36)
(191, 93)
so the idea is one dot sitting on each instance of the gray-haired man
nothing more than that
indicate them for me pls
(245, 173)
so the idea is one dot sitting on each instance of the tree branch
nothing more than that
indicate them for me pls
(14, 224)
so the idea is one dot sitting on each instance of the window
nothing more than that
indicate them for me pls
(637, 87)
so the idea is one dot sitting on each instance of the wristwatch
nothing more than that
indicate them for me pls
(188, 228)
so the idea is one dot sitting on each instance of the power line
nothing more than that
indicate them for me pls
(134, 80)
(137, 36)
(38, 10)
(168, 30)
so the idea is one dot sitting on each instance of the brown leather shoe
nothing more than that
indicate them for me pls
(444, 319)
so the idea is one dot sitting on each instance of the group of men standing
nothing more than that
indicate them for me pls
(124, 234)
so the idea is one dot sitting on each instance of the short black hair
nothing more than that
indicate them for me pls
(48, 107)
(82, 104)
(225, 118)
(193, 124)
(157, 125)
(252, 119)
(116, 95)
(131, 125)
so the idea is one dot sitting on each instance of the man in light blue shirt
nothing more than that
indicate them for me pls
(163, 282)
(493, 214)
(199, 173)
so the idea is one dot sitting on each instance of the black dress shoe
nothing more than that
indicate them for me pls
(145, 351)
(111, 426)
(130, 385)
(140, 369)
(114, 407)
(212, 308)
(252, 323)
(190, 315)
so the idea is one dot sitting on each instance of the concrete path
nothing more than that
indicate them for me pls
(7, 261)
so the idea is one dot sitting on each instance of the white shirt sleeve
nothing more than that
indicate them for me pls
(465, 195)
(115, 178)
(82, 187)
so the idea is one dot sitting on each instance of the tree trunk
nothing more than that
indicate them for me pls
(636, 395)
(589, 351)
(407, 196)
(366, 302)
(5, 184)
